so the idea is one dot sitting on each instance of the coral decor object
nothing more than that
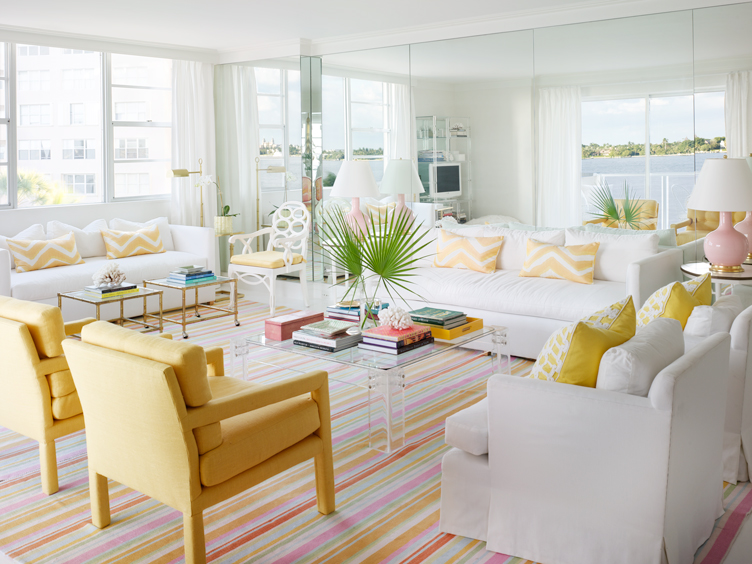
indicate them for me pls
(109, 275)
(396, 318)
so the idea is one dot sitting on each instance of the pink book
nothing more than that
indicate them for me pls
(388, 334)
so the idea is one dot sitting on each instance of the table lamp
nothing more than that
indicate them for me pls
(745, 226)
(402, 178)
(355, 180)
(725, 186)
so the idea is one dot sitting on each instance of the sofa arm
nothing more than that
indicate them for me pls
(195, 240)
(4, 272)
(694, 251)
(647, 275)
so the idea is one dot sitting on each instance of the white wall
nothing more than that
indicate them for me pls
(433, 99)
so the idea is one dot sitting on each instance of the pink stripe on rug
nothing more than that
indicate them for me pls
(731, 528)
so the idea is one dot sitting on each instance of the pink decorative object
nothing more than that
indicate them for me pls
(745, 227)
(355, 218)
(355, 180)
(281, 328)
(726, 247)
(401, 177)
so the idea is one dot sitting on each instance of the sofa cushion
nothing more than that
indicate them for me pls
(34, 232)
(503, 291)
(616, 252)
(468, 429)
(40, 254)
(45, 284)
(161, 222)
(575, 263)
(666, 237)
(124, 244)
(88, 240)
(514, 249)
(473, 253)
(708, 320)
(676, 300)
(61, 383)
(66, 406)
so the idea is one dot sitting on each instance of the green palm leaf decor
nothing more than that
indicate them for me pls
(627, 217)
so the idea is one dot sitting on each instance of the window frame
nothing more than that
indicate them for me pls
(268, 160)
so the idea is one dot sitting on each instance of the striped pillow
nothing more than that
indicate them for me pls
(379, 213)
(122, 244)
(473, 253)
(36, 255)
(575, 263)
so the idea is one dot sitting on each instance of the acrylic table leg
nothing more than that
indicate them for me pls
(185, 335)
(239, 348)
(499, 339)
(235, 300)
(386, 409)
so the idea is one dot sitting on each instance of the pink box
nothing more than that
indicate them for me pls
(281, 328)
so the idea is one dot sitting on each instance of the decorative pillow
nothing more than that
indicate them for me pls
(36, 255)
(88, 240)
(573, 354)
(708, 320)
(474, 253)
(528, 227)
(631, 368)
(161, 222)
(675, 300)
(122, 244)
(616, 252)
(379, 212)
(575, 263)
(514, 250)
(666, 237)
(34, 232)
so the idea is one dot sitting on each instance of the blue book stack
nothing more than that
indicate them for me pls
(188, 278)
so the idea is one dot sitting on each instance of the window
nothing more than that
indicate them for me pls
(79, 149)
(35, 114)
(79, 79)
(81, 184)
(132, 184)
(33, 150)
(130, 75)
(76, 52)
(5, 197)
(34, 81)
(130, 111)
(32, 50)
(77, 114)
(131, 148)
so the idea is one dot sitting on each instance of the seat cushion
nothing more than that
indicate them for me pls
(45, 323)
(468, 429)
(250, 438)
(503, 291)
(66, 406)
(45, 284)
(265, 259)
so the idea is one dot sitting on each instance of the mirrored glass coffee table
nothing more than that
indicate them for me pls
(383, 375)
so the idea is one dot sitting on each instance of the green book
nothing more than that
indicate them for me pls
(439, 316)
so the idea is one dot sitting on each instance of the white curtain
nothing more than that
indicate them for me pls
(400, 122)
(559, 157)
(193, 139)
(739, 114)
(237, 141)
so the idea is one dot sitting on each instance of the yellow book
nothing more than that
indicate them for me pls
(473, 324)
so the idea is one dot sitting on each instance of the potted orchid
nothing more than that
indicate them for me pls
(223, 221)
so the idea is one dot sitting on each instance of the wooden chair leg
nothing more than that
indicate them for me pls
(193, 535)
(99, 493)
(48, 467)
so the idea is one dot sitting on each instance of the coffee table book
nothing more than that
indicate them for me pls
(473, 324)
(281, 328)
(400, 350)
(335, 344)
(394, 338)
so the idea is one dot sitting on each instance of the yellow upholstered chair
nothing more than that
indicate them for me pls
(37, 395)
(648, 216)
(285, 253)
(700, 223)
(164, 420)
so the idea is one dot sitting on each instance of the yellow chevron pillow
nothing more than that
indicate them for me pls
(575, 263)
(379, 213)
(473, 253)
(676, 300)
(36, 255)
(122, 244)
(572, 355)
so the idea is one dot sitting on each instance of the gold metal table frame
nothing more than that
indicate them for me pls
(143, 293)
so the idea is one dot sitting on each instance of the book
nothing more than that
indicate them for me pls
(396, 344)
(111, 294)
(194, 276)
(449, 325)
(328, 327)
(389, 334)
(388, 350)
(435, 315)
(191, 282)
(110, 289)
(322, 347)
(302, 335)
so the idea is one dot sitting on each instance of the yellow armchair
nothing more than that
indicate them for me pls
(164, 420)
(700, 223)
(38, 398)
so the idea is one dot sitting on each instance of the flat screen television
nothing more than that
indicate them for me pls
(445, 180)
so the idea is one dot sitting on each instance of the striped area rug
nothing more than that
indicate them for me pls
(387, 505)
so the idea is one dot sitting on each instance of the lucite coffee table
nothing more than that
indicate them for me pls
(383, 375)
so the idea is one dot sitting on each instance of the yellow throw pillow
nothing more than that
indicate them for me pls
(474, 253)
(676, 300)
(36, 255)
(379, 213)
(122, 244)
(575, 263)
(572, 355)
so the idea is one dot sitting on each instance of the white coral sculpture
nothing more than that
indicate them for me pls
(109, 275)
(396, 318)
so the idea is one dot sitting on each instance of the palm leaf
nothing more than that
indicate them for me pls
(632, 209)
(604, 202)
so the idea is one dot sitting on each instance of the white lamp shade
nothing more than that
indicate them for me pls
(401, 177)
(724, 185)
(355, 180)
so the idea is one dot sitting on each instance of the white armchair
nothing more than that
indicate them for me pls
(577, 474)
(291, 224)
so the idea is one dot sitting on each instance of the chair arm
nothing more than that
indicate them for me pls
(287, 243)
(686, 223)
(255, 398)
(248, 238)
(4, 272)
(595, 221)
(215, 361)
(73, 327)
(651, 273)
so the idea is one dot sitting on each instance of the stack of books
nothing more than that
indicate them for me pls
(111, 292)
(189, 275)
(440, 318)
(395, 341)
(329, 335)
(344, 312)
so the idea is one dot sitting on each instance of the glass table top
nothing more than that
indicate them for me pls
(170, 284)
(84, 296)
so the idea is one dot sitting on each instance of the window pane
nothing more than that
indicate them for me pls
(59, 117)
(333, 126)
(3, 185)
(2, 59)
(3, 98)
(150, 148)
(367, 116)
(366, 90)
(3, 143)
(270, 110)
(141, 71)
(139, 104)
(268, 81)
(370, 146)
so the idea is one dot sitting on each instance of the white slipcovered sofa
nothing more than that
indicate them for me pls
(184, 245)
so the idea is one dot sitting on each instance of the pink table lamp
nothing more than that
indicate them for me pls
(745, 226)
(725, 186)
(401, 177)
(355, 180)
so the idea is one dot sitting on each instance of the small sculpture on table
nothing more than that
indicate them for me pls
(109, 276)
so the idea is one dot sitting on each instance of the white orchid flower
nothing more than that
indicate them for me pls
(290, 177)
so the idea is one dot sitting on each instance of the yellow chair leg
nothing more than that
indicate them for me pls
(100, 500)
(48, 467)
(193, 534)
(324, 462)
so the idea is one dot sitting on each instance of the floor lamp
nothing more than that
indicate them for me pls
(184, 173)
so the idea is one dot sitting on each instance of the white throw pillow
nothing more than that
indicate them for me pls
(615, 252)
(631, 367)
(161, 222)
(718, 318)
(89, 240)
(32, 233)
(514, 249)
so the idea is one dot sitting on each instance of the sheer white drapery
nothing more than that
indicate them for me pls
(192, 139)
(237, 141)
(738, 113)
(559, 157)
(400, 122)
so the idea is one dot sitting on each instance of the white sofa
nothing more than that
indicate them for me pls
(192, 245)
(574, 474)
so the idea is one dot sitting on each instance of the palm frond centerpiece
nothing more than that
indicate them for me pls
(627, 216)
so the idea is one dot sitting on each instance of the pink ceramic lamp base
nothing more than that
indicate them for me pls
(726, 248)
(401, 210)
(745, 227)
(356, 220)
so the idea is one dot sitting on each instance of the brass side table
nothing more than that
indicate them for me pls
(231, 309)
(142, 293)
